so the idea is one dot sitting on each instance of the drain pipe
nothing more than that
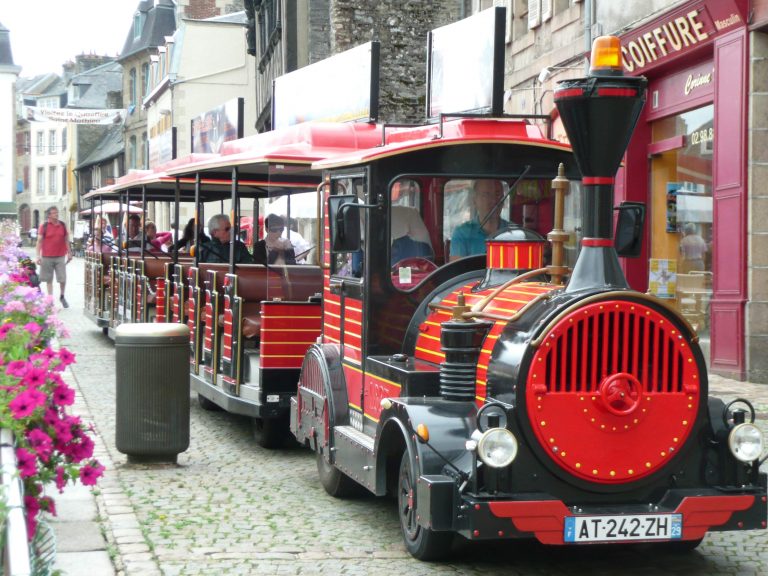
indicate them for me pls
(587, 32)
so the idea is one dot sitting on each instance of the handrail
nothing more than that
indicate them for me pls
(16, 560)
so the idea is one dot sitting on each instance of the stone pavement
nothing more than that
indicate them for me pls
(230, 507)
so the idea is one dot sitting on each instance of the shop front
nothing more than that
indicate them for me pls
(687, 161)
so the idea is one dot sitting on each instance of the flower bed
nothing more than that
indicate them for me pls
(53, 448)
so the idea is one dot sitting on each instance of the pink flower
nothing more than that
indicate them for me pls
(63, 433)
(66, 357)
(26, 462)
(32, 509)
(17, 368)
(63, 395)
(51, 417)
(13, 306)
(81, 450)
(33, 328)
(61, 480)
(5, 328)
(48, 353)
(35, 377)
(41, 443)
(23, 405)
(90, 473)
(47, 504)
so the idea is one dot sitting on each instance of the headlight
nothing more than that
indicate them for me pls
(497, 447)
(746, 442)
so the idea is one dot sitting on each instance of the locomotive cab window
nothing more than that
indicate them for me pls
(346, 226)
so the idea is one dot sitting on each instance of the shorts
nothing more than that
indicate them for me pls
(49, 265)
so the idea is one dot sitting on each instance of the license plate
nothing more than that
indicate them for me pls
(623, 528)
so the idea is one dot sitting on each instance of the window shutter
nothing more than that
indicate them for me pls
(534, 13)
(546, 10)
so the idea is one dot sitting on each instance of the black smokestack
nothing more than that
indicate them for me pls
(599, 114)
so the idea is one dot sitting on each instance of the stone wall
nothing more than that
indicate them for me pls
(401, 26)
(756, 313)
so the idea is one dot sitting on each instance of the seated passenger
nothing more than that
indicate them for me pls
(156, 240)
(469, 238)
(274, 248)
(187, 239)
(300, 246)
(217, 249)
(409, 235)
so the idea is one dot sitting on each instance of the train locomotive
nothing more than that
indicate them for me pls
(503, 398)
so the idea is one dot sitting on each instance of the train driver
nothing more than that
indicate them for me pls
(469, 238)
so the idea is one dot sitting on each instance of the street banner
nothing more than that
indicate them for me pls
(75, 116)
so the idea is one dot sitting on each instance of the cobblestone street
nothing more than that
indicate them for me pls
(231, 507)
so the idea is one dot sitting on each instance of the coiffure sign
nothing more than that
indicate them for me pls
(678, 32)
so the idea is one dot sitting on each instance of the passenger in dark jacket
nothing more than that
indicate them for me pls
(217, 249)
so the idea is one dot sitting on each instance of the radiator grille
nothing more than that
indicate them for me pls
(608, 338)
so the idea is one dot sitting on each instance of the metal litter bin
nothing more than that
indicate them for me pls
(152, 405)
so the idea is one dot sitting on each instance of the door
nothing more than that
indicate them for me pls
(344, 304)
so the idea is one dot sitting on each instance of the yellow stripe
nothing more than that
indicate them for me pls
(371, 417)
(429, 352)
(375, 377)
(355, 406)
(483, 366)
(282, 355)
(481, 398)
(352, 367)
(292, 317)
(429, 337)
(351, 346)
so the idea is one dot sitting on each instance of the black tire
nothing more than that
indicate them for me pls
(206, 404)
(335, 482)
(422, 543)
(270, 433)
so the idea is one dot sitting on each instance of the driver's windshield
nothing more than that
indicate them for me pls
(437, 220)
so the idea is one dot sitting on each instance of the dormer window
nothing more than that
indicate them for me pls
(138, 24)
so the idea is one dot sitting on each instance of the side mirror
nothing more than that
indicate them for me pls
(344, 222)
(628, 240)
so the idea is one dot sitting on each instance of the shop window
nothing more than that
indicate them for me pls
(681, 215)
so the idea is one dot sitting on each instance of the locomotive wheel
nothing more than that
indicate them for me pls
(422, 543)
(269, 432)
(206, 404)
(335, 482)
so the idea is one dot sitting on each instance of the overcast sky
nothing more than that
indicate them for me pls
(46, 33)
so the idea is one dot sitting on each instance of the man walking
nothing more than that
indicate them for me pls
(53, 252)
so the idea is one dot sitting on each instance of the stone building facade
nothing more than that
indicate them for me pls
(289, 35)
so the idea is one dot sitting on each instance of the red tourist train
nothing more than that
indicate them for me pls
(515, 391)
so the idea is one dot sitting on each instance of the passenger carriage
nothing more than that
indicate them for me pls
(250, 324)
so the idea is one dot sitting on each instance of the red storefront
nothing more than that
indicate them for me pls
(688, 162)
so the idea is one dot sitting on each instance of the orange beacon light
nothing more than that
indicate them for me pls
(606, 56)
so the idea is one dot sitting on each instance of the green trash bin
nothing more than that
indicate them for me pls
(152, 407)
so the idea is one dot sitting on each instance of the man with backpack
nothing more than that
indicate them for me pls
(53, 252)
